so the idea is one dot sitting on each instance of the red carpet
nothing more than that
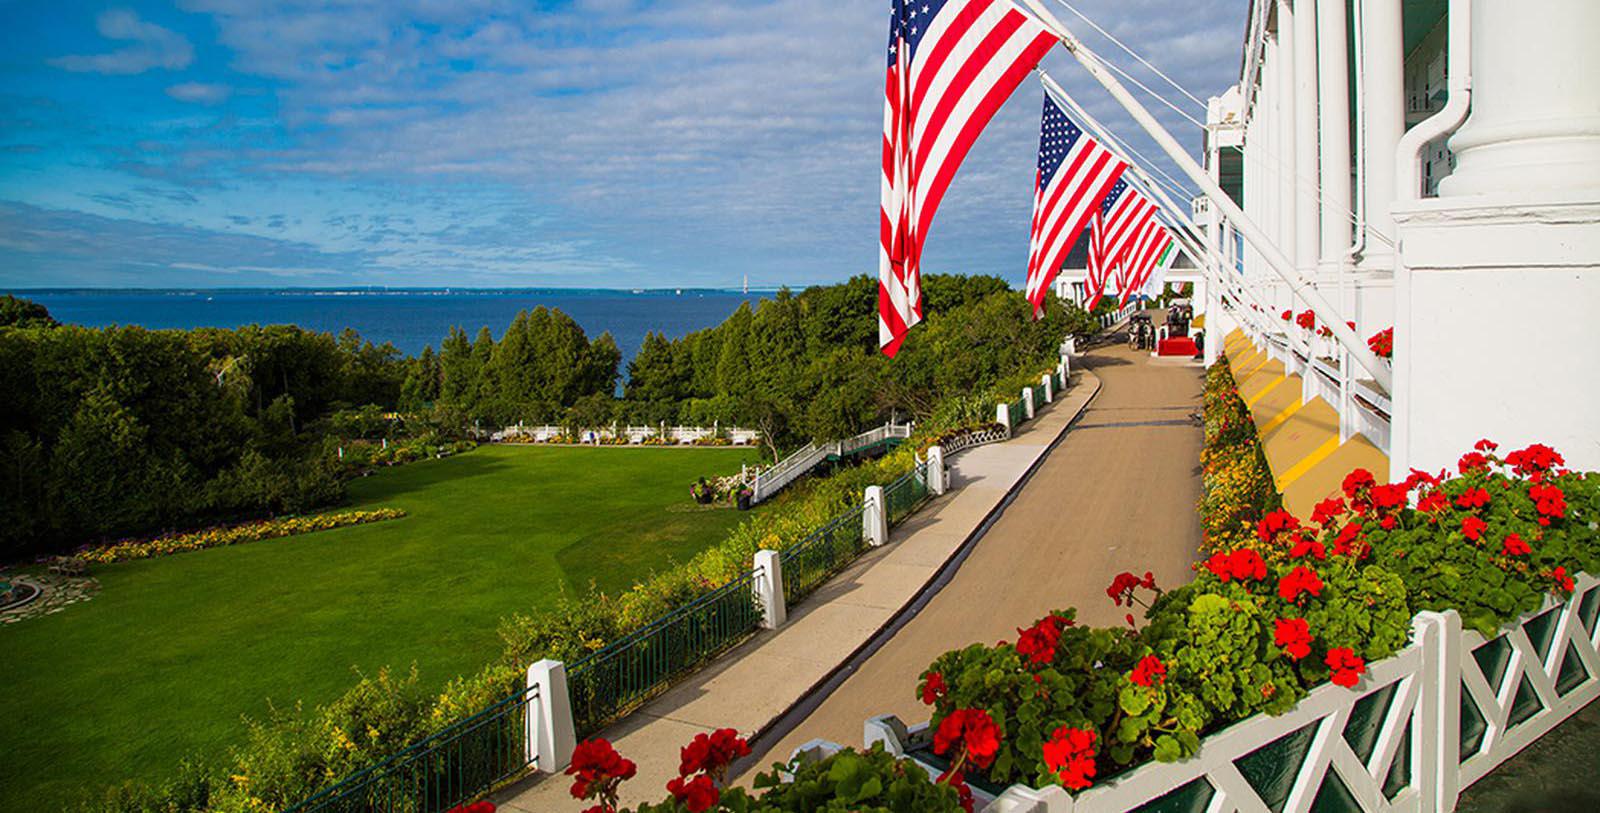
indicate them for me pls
(1181, 346)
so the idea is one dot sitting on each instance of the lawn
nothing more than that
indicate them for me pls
(165, 661)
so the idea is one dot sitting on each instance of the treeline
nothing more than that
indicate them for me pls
(120, 431)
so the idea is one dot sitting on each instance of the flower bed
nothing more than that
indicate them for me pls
(128, 549)
(1236, 484)
(1301, 605)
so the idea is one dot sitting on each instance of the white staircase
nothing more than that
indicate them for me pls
(809, 456)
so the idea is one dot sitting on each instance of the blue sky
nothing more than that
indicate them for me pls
(589, 143)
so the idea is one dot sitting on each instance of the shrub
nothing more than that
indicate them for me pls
(1236, 484)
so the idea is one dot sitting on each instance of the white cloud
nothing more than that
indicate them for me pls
(200, 92)
(151, 47)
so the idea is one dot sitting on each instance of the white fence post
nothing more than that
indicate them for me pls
(551, 736)
(936, 476)
(1049, 388)
(1447, 784)
(1027, 402)
(768, 587)
(875, 517)
(1002, 416)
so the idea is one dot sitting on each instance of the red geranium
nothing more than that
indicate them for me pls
(712, 753)
(1486, 445)
(1473, 498)
(1241, 564)
(1306, 546)
(1122, 587)
(1347, 667)
(1149, 671)
(1307, 319)
(1550, 501)
(1039, 641)
(1471, 462)
(1277, 522)
(1294, 635)
(1562, 580)
(698, 794)
(1433, 501)
(1287, 315)
(1070, 755)
(1382, 343)
(1514, 546)
(1473, 527)
(1350, 543)
(971, 729)
(1327, 510)
(1301, 580)
(599, 770)
(934, 688)
(484, 806)
(1536, 458)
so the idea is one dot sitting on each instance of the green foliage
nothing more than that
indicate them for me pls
(1237, 488)
(870, 781)
(18, 312)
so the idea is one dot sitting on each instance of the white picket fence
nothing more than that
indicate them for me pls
(1398, 743)
(635, 435)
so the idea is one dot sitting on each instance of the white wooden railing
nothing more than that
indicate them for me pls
(682, 435)
(1541, 669)
(809, 456)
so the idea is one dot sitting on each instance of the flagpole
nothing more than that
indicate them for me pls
(1276, 260)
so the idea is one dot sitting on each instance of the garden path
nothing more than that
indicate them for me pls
(1117, 494)
(751, 686)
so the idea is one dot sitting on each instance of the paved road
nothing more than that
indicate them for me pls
(1117, 494)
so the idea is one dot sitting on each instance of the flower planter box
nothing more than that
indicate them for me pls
(1422, 725)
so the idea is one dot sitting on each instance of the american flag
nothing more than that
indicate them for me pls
(952, 63)
(1140, 261)
(1075, 173)
(1124, 213)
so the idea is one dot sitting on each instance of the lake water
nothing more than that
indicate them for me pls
(410, 319)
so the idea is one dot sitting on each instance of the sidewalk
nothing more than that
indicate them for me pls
(751, 685)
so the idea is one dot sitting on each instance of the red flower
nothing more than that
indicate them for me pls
(1473, 527)
(1327, 510)
(1123, 585)
(1357, 482)
(1382, 343)
(1549, 500)
(484, 806)
(1350, 543)
(934, 688)
(974, 730)
(1473, 498)
(959, 783)
(1241, 564)
(1536, 458)
(1433, 501)
(1418, 477)
(1514, 546)
(1149, 671)
(1471, 462)
(1070, 755)
(1294, 635)
(1388, 497)
(1486, 445)
(1277, 522)
(1347, 667)
(698, 794)
(1039, 641)
(599, 769)
(712, 753)
(1306, 546)
(1306, 319)
(1287, 315)
(1562, 580)
(1300, 580)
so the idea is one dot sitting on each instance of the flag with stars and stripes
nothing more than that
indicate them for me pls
(952, 63)
(1075, 173)
(1141, 259)
(1124, 214)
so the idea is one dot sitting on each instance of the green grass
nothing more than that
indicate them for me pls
(165, 661)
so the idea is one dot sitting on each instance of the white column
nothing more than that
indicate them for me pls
(550, 736)
(1333, 134)
(1535, 122)
(937, 480)
(1512, 240)
(768, 589)
(1383, 113)
(875, 517)
(1027, 403)
(1288, 152)
(1306, 236)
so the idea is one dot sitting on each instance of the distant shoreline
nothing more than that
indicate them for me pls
(390, 291)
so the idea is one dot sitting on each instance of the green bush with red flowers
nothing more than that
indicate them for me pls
(1286, 608)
